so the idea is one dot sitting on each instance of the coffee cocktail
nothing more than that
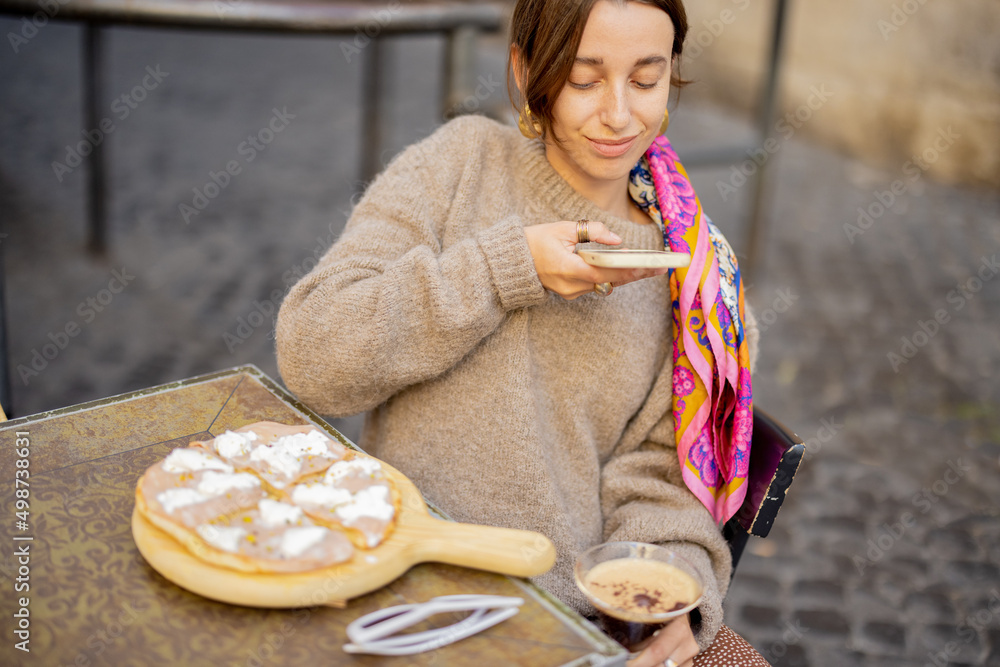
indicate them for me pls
(636, 588)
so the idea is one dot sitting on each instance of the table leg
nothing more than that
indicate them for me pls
(371, 112)
(93, 74)
(459, 68)
(758, 206)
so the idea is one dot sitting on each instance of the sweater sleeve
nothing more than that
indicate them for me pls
(408, 290)
(644, 499)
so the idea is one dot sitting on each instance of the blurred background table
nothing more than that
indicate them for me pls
(367, 20)
(94, 600)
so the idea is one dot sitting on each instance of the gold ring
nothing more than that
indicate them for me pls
(670, 663)
(583, 231)
(604, 289)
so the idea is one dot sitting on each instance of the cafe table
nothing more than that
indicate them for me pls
(77, 591)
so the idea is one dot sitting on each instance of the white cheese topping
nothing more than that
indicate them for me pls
(274, 513)
(311, 443)
(173, 499)
(357, 467)
(319, 494)
(191, 460)
(226, 538)
(372, 501)
(296, 540)
(278, 460)
(285, 455)
(231, 444)
(211, 485)
(217, 483)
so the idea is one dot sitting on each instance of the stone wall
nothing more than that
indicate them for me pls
(906, 85)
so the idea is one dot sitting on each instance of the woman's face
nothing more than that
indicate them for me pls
(611, 107)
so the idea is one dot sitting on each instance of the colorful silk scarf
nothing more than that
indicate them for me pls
(712, 404)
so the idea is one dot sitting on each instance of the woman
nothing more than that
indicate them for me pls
(514, 383)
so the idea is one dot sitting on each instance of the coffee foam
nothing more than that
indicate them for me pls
(636, 588)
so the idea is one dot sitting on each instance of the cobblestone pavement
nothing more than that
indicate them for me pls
(881, 346)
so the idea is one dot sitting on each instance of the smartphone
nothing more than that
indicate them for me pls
(634, 259)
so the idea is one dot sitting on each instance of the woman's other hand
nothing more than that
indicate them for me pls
(563, 271)
(674, 641)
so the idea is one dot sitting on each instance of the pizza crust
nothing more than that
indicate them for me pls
(230, 501)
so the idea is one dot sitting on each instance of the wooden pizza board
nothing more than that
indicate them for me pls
(417, 537)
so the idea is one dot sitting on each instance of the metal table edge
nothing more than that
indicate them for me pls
(340, 18)
(608, 653)
(248, 369)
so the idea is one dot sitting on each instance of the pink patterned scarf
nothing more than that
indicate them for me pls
(713, 412)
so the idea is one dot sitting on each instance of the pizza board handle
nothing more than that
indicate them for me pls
(518, 553)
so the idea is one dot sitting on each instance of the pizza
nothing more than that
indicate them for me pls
(270, 497)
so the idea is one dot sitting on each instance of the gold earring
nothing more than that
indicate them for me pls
(529, 127)
(666, 122)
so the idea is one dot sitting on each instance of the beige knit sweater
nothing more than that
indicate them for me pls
(505, 404)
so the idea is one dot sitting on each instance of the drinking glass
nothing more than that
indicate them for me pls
(636, 588)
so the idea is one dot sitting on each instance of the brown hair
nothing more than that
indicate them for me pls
(546, 35)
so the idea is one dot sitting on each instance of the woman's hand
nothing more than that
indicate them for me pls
(675, 641)
(563, 271)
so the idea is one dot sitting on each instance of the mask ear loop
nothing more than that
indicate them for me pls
(421, 642)
(371, 633)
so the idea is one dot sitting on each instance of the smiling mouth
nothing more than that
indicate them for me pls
(615, 148)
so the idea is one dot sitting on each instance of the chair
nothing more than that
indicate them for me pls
(775, 453)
